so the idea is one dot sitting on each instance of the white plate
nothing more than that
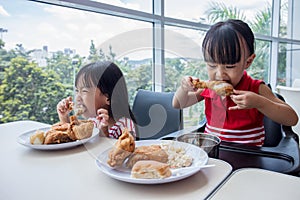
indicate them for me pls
(200, 158)
(24, 139)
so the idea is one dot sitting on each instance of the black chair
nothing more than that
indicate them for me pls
(280, 151)
(155, 114)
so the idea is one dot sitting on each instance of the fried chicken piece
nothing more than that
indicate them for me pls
(60, 126)
(122, 149)
(70, 104)
(57, 137)
(222, 88)
(80, 129)
(152, 152)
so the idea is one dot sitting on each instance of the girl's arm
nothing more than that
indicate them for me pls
(267, 103)
(186, 95)
(276, 109)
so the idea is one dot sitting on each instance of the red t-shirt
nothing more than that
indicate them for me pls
(240, 126)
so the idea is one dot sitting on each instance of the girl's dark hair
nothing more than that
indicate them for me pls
(223, 42)
(108, 77)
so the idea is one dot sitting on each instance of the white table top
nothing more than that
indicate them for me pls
(31, 174)
(253, 183)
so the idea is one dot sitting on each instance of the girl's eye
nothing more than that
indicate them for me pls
(230, 66)
(212, 66)
(76, 90)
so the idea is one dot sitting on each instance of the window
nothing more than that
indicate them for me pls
(154, 42)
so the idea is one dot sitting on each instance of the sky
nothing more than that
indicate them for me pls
(34, 25)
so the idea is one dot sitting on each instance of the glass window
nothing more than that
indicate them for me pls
(282, 64)
(261, 64)
(141, 5)
(52, 42)
(184, 58)
(207, 11)
(288, 59)
(283, 18)
(51, 46)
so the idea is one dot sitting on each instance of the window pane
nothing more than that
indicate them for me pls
(257, 13)
(283, 18)
(184, 58)
(289, 22)
(261, 64)
(59, 40)
(288, 59)
(141, 5)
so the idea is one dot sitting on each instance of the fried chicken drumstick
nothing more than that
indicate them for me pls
(222, 88)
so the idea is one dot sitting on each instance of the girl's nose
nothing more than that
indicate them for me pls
(78, 98)
(220, 73)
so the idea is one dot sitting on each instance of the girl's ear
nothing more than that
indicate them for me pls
(107, 101)
(250, 60)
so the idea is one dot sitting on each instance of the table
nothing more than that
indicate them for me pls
(253, 183)
(72, 173)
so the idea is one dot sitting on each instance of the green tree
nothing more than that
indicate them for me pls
(93, 56)
(260, 24)
(62, 65)
(29, 92)
(219, 12)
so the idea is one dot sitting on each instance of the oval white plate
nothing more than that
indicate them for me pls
(200, 158)
(24, 139)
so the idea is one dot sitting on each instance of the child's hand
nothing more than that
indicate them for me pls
(64, 107)
(244, 100)
(103, 117)
(187, 85)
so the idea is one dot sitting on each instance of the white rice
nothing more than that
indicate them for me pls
(177, 156)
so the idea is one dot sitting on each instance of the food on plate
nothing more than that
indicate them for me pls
(177, 156)
(150, 169)
(80, 129)
(37, 138)
(222, 88)
(64, 132)
(151, 152)
(57, 137)
(123, 148)
(60, 126)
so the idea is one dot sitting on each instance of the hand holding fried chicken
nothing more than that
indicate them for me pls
(63, 108)
(222, 88)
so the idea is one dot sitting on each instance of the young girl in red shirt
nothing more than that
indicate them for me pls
(228, 50)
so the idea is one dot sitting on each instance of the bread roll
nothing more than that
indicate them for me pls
(150, 169)
(37, 138)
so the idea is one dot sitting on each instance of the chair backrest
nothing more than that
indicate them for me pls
(155, 114)
(273, 130)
